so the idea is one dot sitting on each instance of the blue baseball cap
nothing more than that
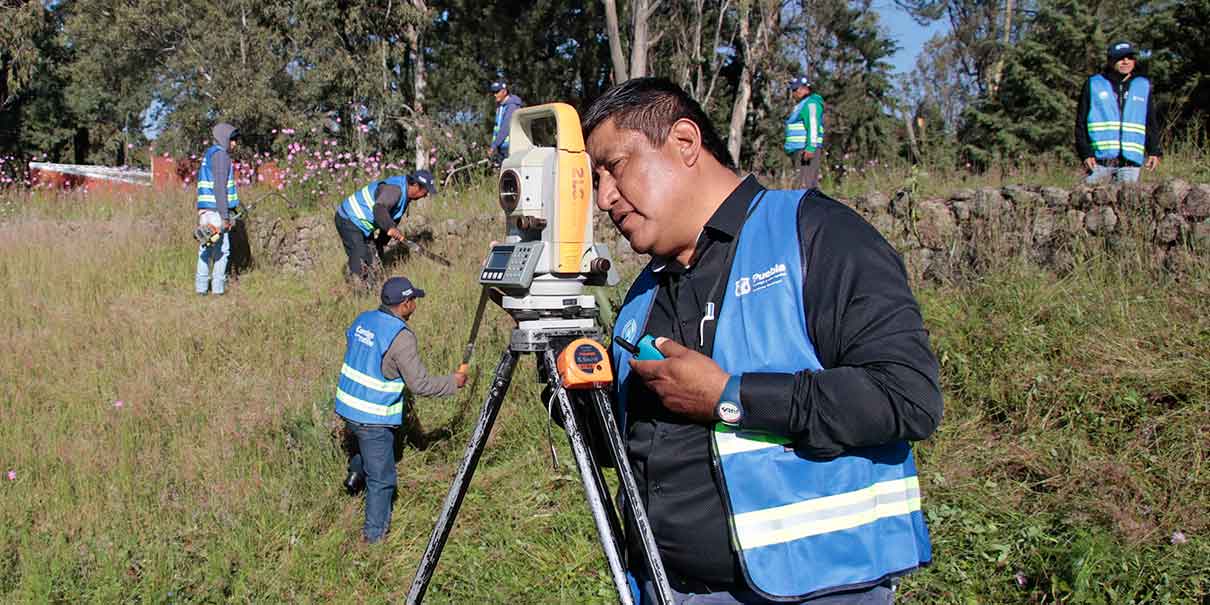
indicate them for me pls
(425, 179)
(399, 289)
(498, 85)
(1121, 49)
(799, 81)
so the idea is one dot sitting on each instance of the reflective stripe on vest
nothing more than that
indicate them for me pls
(205, 183)
(363, 394)
(803, 526)
(1115, 129)
(359, 206)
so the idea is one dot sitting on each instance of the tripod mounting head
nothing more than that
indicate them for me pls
(549, 253)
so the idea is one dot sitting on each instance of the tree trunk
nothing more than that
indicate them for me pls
(419, 81)
(755, 50)
(640, 41)
(997, 70)
(615, 41)
(743, 94)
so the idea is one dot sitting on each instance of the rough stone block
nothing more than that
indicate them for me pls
(1045, 224)
(962, 210)
(1082, 197)
(935, 224)
(988, 203)
(873, 202)
(1056, 197)
(1106, 195)
(962, 195)
(1101, 220)
(1020, 196)
(1197, 203)
(1200, 234)
(1170, 229)
(1171, 193)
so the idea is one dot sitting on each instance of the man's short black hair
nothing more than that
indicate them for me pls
(651, 106)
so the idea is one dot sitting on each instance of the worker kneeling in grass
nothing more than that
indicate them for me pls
(381, 357)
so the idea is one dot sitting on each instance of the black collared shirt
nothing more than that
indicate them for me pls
(879, 383)
(671, 456)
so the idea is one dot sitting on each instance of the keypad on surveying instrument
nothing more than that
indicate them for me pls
(508, 265)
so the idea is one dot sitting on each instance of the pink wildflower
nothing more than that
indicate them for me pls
(12, 475)
(1178, 537)
(118, 404)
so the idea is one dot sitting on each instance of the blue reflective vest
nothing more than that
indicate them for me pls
(359, 206)
(363, 394)
(805, 133)
(205, 183)
(1117, 128)
(803, 526)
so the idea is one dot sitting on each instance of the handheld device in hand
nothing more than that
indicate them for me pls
(644, 351)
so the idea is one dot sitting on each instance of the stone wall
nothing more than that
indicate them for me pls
(939, 237)
(942, 237)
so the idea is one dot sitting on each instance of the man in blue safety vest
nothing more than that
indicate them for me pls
(506, 104)
(372, 214)
(771, 445)
(217, 196)
(382, 357)
(1116, 130)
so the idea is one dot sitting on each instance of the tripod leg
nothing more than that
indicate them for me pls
(597, 500)
(630, 495)
(453, 500)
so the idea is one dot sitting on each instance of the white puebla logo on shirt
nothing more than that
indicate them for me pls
(760, 280)
(1104, 94)
(365, 336)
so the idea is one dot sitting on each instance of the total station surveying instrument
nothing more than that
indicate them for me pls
(537, 275)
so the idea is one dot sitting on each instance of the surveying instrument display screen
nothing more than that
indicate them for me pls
(537, 274)
(511, 266)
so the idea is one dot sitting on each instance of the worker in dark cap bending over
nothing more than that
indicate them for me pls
(372, 214)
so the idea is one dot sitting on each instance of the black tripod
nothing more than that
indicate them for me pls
(584, 413)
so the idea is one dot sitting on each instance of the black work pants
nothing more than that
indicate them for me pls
(357, 247)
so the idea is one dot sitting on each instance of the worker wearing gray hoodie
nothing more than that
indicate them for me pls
(216, 197)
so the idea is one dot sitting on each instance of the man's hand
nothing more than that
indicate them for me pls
(686, 381)
(1090, 164)
(460, 379)
(1153, 162)
(395, 234)
(807, 155)
(226, 224)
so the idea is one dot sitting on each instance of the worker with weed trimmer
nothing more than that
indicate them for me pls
(769, 427)
(382, 356)
(214, 204)
(372, 214)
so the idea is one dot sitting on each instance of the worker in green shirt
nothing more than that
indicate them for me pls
(804, 131)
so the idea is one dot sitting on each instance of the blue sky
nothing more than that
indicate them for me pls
(910, 36)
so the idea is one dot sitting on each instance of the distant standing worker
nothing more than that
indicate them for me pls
(1116, 130)
(804, 131)
(381, 357)
(372, 214)
(213, 206)
(506, 104)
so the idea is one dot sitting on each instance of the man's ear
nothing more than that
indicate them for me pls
(686, 138)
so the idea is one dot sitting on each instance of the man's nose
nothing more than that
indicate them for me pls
(607, 193)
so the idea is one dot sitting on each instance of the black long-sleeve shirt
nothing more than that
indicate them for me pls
(1121, 85)
(879, 383)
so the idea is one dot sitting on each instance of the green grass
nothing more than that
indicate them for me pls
(1075, 440)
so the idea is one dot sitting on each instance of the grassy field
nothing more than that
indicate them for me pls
(166, 448)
